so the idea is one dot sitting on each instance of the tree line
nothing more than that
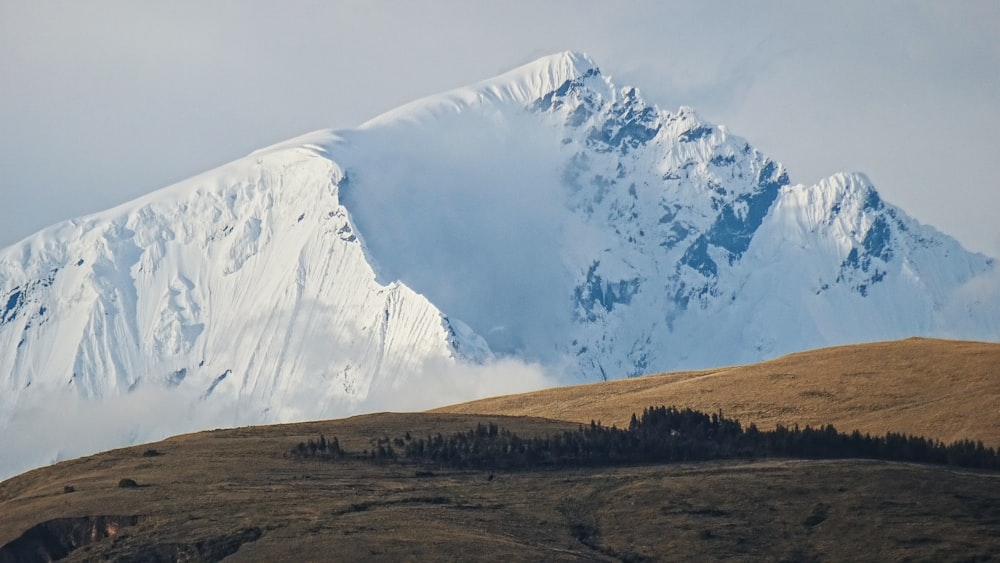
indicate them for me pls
(659, 435)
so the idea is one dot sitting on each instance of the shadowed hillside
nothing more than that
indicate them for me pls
(947, 390)
(238, 494)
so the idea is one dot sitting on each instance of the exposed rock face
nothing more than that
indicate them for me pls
(56, 539)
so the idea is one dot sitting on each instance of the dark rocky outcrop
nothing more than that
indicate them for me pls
(55, 539)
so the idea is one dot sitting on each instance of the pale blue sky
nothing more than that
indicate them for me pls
(104, 101)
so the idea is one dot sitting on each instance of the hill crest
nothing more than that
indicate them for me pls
(941, 389)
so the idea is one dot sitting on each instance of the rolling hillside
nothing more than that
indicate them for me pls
(236, 494)
(941, 389)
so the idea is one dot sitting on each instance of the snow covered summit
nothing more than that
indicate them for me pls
(545, 215)
(582, 227)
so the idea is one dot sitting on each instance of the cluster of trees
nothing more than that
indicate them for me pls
(659, 435)
(321, 449)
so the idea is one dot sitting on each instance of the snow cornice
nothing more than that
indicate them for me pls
(519, 86)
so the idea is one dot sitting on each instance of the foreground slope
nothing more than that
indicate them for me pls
(235, 493)
(948, 390)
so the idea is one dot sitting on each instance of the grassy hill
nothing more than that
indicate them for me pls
(948, 390)
(240, 494)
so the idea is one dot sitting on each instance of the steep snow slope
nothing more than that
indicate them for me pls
(246, 282)
(565, 220)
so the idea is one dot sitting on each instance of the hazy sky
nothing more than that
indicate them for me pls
(103, 101)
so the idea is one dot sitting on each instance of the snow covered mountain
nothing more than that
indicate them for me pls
(246, 281)
(570, 222)
(563, 220)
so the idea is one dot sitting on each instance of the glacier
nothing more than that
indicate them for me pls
(546, 222)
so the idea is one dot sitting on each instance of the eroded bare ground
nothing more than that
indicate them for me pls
(236, 493)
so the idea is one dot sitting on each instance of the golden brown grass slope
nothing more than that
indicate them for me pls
(235, 494)
(948, 390)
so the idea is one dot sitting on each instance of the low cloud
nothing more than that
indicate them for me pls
(445, 383)
(57, 426)
(61, 425)
(468, 211)
(972, 305)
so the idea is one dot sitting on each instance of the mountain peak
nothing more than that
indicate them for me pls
(531, 81)
(519, 86)
(842, 192)
(567, 65)
(844, 180)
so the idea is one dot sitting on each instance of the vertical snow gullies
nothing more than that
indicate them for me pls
(251, 271)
